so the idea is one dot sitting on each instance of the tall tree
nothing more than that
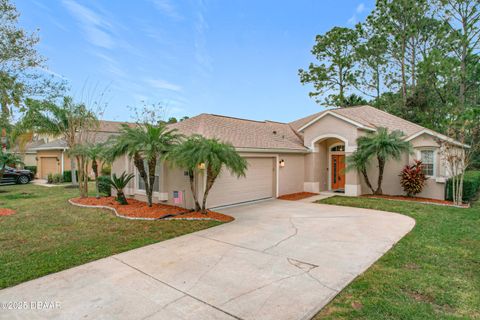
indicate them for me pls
(75, 123)
(335, 75)
(21, 66)
(463, 19)
(371, 55)
(398, 21)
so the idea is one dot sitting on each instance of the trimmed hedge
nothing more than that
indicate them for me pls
(103, 186)
(471, 186)
(67, 175)
(31, 168)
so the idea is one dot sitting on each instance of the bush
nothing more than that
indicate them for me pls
(31, 168)
(54, 178)
(413, 179)
(67, 175)
(106, 170)
(104, 187)
(471, 186)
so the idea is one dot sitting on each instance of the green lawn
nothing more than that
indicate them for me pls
(48, 234)
(432, 273)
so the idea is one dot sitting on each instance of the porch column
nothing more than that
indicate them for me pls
(353, 186)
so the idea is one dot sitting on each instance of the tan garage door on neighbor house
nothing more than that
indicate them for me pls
(48, 165)
(258, 184)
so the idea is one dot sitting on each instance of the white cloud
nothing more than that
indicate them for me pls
(358, 10)
(162, 84)
(167, 8)
(361, 8)
(96, 27)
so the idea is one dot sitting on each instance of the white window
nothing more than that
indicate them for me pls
(141, 183)
(428, 162)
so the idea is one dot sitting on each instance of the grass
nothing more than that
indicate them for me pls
(432, 273)
(48, 234)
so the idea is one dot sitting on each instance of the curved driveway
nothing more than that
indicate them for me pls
(277, 260)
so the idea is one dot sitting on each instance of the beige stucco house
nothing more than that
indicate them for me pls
(52, 157)
(305, 155)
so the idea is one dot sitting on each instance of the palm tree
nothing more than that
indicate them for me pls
(7, 158)
(198, 152)
(119, 183)
(85, 153)
(384, 146)
(357, 161)
(145, 143)
(96, 153)
(69, 121)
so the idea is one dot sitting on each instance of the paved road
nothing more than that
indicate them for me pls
(277, 260)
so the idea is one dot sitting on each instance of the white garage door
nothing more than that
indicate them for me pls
(258, 184)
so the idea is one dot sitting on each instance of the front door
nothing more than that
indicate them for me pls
(338, 171)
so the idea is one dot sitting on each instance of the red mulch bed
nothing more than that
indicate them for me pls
(6, 212)
(414, 199)
(297, 196)
(140, 209)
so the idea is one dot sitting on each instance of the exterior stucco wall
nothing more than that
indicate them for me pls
(391, 179)
(29, 159)
(434, 186)
(329, 126)
(292, 176)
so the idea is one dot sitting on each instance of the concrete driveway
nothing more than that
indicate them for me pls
(277, 260)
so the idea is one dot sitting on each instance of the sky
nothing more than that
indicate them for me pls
(231, 57)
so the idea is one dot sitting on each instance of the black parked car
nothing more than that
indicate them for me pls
(19, 176)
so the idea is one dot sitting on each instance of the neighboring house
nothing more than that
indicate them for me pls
(52, 157)
(305, 155)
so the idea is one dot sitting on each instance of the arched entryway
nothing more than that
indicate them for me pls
(325, 167)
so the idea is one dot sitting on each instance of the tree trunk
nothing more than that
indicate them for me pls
(413, 68)
(121, 197)
(191, 177)
(152, 164)
(367, 180)
(404, 81)
(138, 162)
(381, 167)
(211, 177)
(73, 166)
(95, 172)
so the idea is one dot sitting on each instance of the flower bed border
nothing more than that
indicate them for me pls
(425, 201)
(169, 217)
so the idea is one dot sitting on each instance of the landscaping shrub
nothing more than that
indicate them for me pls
(104, 186)
(32, 168)
(471, 186)
(54, 178)
(106, 170)
(67, 175)
(413, 179)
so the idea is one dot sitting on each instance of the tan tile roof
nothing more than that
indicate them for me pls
(242, 133)
(104, 131)
(367, 116)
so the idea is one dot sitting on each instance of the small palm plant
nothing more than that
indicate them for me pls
(197, 152)
(119, 183)
(383, 145)
(146, 144)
